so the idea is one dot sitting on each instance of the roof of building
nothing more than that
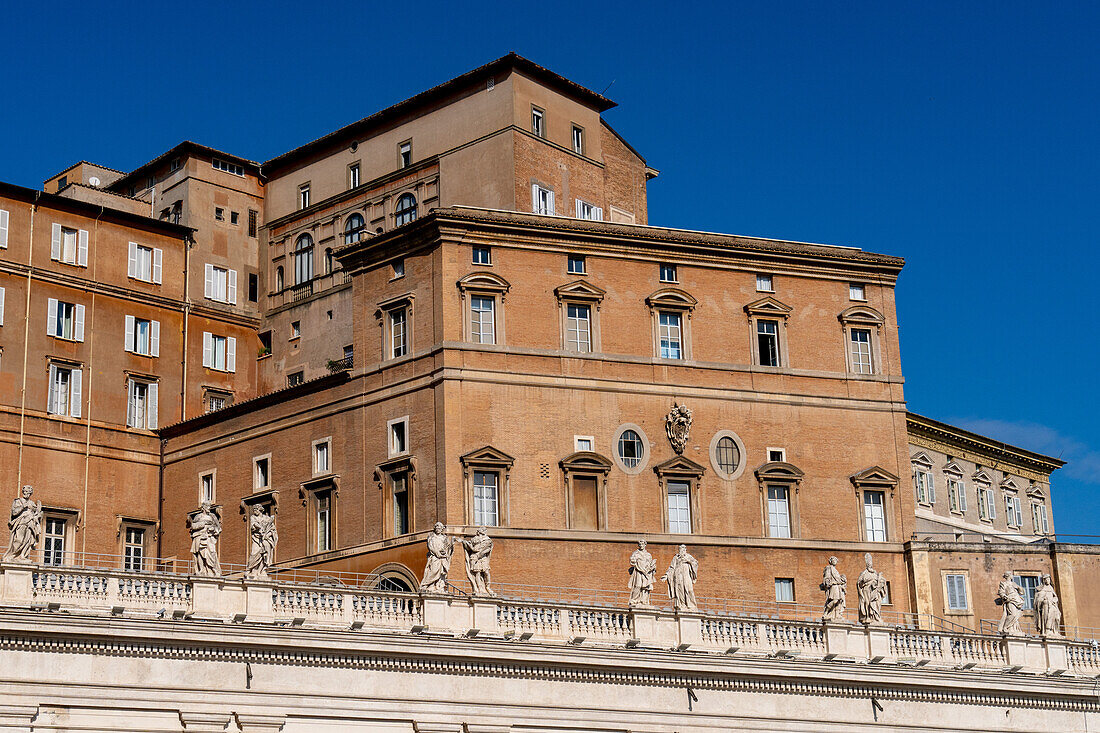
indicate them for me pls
(82, 162)
(998, 448)
(187, 146)
(389, 114)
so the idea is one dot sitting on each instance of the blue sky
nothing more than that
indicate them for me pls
(962, 136)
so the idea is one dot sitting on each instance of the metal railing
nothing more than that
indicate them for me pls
(302, 291)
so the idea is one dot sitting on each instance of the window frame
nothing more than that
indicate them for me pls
(789, 583)
(385, 314)
(542, 195)
(761, 277)
(305, 195)
(70, 519)
(74, 388)
(771, 310)
(354, 175)
(574, 258)
(538, 121)
(643, 460)
(877, 480)
(487, 460)
(150, 405)
(257, 461)
(408, 214)
(483, 285)
(585, 464)
(405, 154)
(713, 453)
(863, 318)
(668, 301)
(948, 610)
(680, 471)
(576, 138)
(212, 474)
(392, 449)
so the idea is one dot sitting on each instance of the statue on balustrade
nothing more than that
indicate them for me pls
(1010, 597)
(440, 549)
(1048, 615)
(478, 549)
(643, 569)
(871, 587)
(681, 576)
(261, 529)
(206, 527)
(835, 586)
(25, 525)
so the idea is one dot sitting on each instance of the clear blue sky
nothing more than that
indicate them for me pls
(962, 136)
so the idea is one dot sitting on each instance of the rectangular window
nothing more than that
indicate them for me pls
(233, 168)
(400, 484)
(670, 335)
(874, 516)
(1039, 518)
(133, 551)
(399, 437)
(303, 196)
(4, 216)
(482, 256)
(145, 263)
(221, 284)
(65, 320)
(1013, 514)
(957, 493)
(777, 455)
(399, 332)
(764, 284)
(538, 122)
(588, 211)
(219, 213)
(321, 462)
(398, 269)
(784, 590)
(253, 287)
(925, 487)
(295, 330)
(261, 474)
(578, 328)
(142, 409)
(1029, 584)
(253, 217)
(767, 341)
(583, 443)
(142, 336)
(956, 592)
(69, 246)
(482, 326)
(65, 388)
(353, 175)
(667, 273)
(216, 400)
(578, 140)
(575, 265)
(219, 352)
(857, 291)
(861, 351)
(234, 218)
(542, 200)
(53, 541)
(779, 512)
(405, 154)
(295, 378)
(679, 507)
(486, 499)
(207, 489)
(987, 506)
(324, 520)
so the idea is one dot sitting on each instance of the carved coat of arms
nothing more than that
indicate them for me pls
(678, 427)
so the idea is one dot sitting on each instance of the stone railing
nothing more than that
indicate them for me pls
(339, 607)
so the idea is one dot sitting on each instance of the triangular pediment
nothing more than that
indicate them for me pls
(861, 314)
(921, 459)
(874, 476)
(953, 468)
(679, 466)
(779, 471)
(1036, 492)
(981, 477)
(671, 298)
(487, 455)
(580, 289)
(1009, 485)
(586, 461)
(768, 306)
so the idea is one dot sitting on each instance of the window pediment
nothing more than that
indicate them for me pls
(780, 471)
(1034, 492)
(483, 282)
(874, 476)
(769, 306)
(580, 290)
(404, 463)
(488, 456)
(1009, 485)
(954, 469)
(586, 461)
(679, 466)
(268, 498)
(398, 301)
(862, 315)
(921, 460)
(981, 477)
(673, 298)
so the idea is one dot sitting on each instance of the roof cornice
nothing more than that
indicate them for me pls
(993, 448)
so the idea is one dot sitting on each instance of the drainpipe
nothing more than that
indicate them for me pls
(26, 341)
(188, 243)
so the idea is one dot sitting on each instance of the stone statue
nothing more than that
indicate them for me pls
(1010, 597)
(25, 525)
(835, 586)
(206, 527)
(1048, 616)
(678, 427)
(440, 549)
(681, 575)
(871, 587)
(643, 568)
(478, 549)
(261, 528)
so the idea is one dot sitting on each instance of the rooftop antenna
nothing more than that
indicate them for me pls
(607, 87)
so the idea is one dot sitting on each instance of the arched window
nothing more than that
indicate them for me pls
(393, 584)
(303, 259)
(406, 209)
(279, 284)
(329, 261)
(353, 228)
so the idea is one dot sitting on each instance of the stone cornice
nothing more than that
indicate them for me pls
(939, 436)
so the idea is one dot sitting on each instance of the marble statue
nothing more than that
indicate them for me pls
(440, 549)
(681, 576)
(871, 588)
(1010, 597)
(643, 568)
(835, 586)
(206, 527)
(678, 427)
(25, 525)
(1048, 616)
(478, 549)
(261, 528)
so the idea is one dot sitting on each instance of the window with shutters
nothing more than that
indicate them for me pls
(142, 404)
(219, 352)
(145, 263)
(69, 246)
(221, 284)
(588, 211)
(142, 336)
(65, 320)
(64, 397)
(987, 505)
(578, 139)
(1039, 518)
(956, 491)
(4, 216)
(1013, 514)
(925, 486)
(542, 200)
(956, 596)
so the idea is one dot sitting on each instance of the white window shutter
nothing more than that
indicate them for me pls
(157, 254)
(550, 202)
(599, 214)
(209, 280)
(992, 504)
(78, 323)
(231, 287)
(1, 306)
(931, 481)
(74, 393)
(131, 403)
(154, 338)
(51, 317)
(578, 207)
(952, 594)
(132, 263)
(82, 248)
(535, 197)
(55, 243)
(231, 354)
(962, 497)
(151, 407)
(3, 229)
(207, 349)
(129, 345)
(51, 401)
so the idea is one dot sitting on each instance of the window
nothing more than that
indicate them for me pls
(398, 436)
(631, 449)
(354, 228)
(323, 503)
(399, 484)
(1029, 584)
(207, 488)
(679, 507)
(234, 218)
(321, 458)
(64, 395)
(987, 505)
(62, 182)
(4, 217)
(219, 213)
(219, 352)
(303, 259)
(578, 328)
(924, 485)
(486, 498)
(65, 320)
(295, 378)
(483, 256)
(295, 330)
(349, 353)
(1039, 518)
(956, 491)
(784, 590)
(253, 220)
(353, 175)
(583, 443)
(216, 400)
(667, 273)
(578, 140)
(133, 550)
(779, 511)
(144, 263)
(53, 541)
(142, 336)
(588, 211)
(261, 473)
(330, 262)
(542, 200)
(280, 281)
(857, 291)
(221, 284)
(482, 327)
(141, 410)
(1013, 515)
(253, 287)
(777, 455)
(670, 335)
(874, 516)
(955, 584)
(405, 154)
(405, 212)
(399, 337)
(69, 246)
(727, 455)
(233, 168)
(861, 350)
(575, 265)
(538, 122)
(764, 284)
(303, 196)
(767, 340)
(398, 269)
(175, 165)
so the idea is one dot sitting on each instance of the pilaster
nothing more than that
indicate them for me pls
(15, 585)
